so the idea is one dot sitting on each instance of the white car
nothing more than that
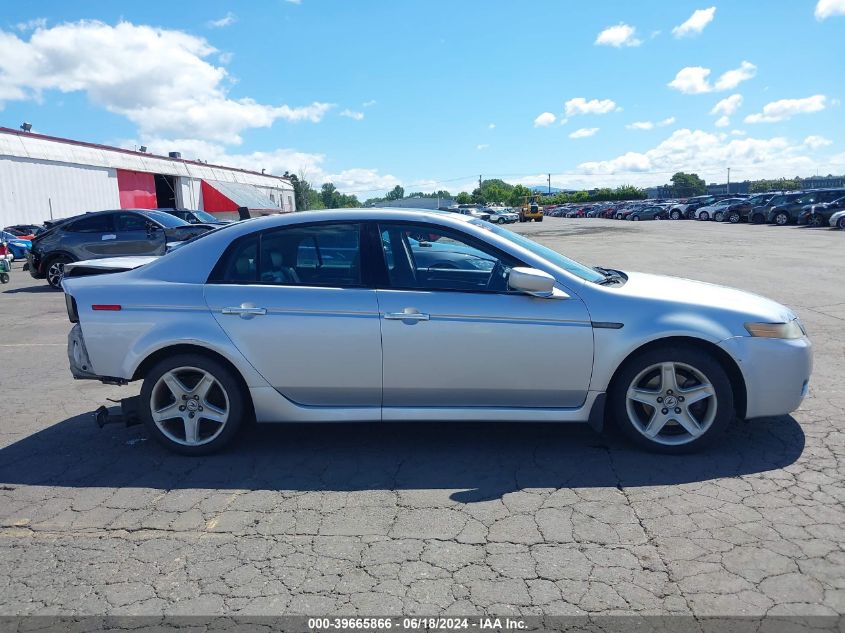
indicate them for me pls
(716, 210)
(395, 315)
(837, 220)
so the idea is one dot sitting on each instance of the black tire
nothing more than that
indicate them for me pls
(55, 270)
(781, 218)
(757, 218)
(675, 215)
(4, 278)
(635, 218)
(539, 219)
(694, 357)
(734, 217)
(227, 380)
(840, 223)
(718, 216)
(816, 220)
(704, 215)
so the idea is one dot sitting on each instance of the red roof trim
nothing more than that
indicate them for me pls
(67, 141)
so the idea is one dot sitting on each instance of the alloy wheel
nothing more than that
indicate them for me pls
(781, 219)
(189, 406)
(718, 217)
(734, 218)
(55, 274)
(671, 403)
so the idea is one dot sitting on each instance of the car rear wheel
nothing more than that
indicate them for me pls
(734, 217)
(56, 271)
(757, 218)
(674, 399)
(718, 216)
(781, 219)
(192, 404)
(841, 223)
(676, 215)
(635, 218)
(704, 216)
(816, 220)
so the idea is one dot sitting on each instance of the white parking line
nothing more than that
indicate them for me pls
(33, 344)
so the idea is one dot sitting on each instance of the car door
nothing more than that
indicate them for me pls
(136, 234)
(453, 335)
(297, 304)
(87, 237)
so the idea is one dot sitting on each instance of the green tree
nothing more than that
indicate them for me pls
(686, 185)
(327, 193)
(517, 194)
(463, 198)
(397, 193)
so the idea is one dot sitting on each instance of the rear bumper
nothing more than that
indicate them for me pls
(776, 372)
(80, 364)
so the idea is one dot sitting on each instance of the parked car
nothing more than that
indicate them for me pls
(473, 213)
(653, 212)
(759, 214)
(837, 220)
(502, 215)
(732, 210)
(788, 212)
(741, 211)
(24, 231)
(820, 214)
(18, 248)
(193, 216)
(716, 211)
(264, 330)
(105, 234)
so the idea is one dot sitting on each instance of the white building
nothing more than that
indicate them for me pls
(45, 177)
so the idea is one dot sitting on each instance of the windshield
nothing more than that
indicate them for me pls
(202, 216)
(553, 257)
(165, 219)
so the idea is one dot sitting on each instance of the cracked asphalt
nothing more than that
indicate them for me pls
(436, 518)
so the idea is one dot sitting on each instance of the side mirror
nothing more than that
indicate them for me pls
(534, 282)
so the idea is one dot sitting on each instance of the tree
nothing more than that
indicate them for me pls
(781, 184)
(397, 193)
(327, 193)
(463, 198)
(686, 185)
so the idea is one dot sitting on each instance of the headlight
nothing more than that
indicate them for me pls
(793, 329)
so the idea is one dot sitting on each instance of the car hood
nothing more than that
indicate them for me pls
(700, 294)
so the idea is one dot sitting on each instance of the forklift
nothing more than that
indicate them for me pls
(530, 209)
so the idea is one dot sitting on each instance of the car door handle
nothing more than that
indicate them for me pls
(408, 314)
(245, 311)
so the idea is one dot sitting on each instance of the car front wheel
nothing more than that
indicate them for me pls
(675, 399)
(734, 217)
(56, 271)
(192, 404)
(704, 216)
(781, 219)
(718, 216)
(676, 215)
(841, 223)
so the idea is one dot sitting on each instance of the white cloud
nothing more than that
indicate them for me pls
(352, 114)
(31, 25)
(787, 108)
(739, 132)
(227, 20)
(692, 80)
(733, 78)
(294, 1)
(817, 142)
(584, 132)
(618, 36)
(648, 125)
(829, 8)
(482, 146)
(368, 104)
(695, 79)
(723, 121)
(580, 105)
(492, 126)
(159, 79)
(545, 119)
(704, 153)
(695, 23)
(728, 105)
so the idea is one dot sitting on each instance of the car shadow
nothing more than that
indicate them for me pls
(477, 461)
(36, 289)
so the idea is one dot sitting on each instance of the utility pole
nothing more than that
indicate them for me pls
(479, 181)
(550, 184)
(728, 188)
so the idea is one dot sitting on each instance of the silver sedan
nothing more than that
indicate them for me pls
(395, 315)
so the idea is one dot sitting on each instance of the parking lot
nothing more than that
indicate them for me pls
(436, 518)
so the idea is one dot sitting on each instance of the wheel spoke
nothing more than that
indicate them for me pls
(167, 413)
(643, 396)
(655, 424)
(686, 420)
(697, 393)
(667, 377)
(177, 388)
(212, 413)
(203, 386)
(192, 427)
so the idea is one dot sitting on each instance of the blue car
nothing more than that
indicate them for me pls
(17, 247)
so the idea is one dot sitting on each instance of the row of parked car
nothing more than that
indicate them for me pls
(49, 247)
(817, 207)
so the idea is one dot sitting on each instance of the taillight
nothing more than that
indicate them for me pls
(108, 307)
(72, 314)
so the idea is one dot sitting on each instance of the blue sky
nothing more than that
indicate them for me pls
(430, 94)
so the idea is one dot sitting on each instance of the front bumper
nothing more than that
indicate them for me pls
(776, 372)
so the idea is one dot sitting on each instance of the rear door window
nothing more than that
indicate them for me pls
(92, 224)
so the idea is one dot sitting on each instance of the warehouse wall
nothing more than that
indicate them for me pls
(28, 186)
